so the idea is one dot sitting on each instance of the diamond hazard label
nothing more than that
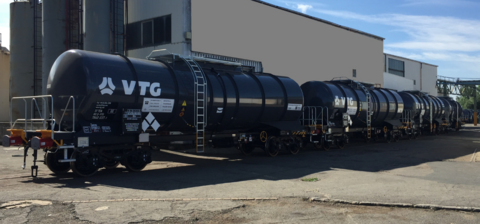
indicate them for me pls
(150, 121)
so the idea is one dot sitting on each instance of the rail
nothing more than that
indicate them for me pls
(313, 116)
(33, 106)
(65, 110)
(407, 119)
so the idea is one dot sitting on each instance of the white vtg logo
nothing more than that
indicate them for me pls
(129, 87)
(103, 87)
(342, 99)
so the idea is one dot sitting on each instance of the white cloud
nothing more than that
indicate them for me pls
(449, 3)
(304, 8)
(427, 33)
(301, 6)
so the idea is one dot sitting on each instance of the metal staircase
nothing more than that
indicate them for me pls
(369, 109)
(200, 103)
(369, 106)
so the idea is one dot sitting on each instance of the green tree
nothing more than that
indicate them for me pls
(466, 99)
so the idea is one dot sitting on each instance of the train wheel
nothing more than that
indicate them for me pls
(86, 163)
(326, 145)
(271, 147)
(136, 160)
(396, 137)
(246, 149)
(318, 145)
(367, 140)
(111, 164)
(294, 148)
(340, 143)
(51, 160)
(388, 137)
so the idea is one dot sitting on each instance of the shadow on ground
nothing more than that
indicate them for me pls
(173, 171)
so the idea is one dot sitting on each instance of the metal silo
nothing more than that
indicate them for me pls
(55, 31)
(21, 53)
(97, 25)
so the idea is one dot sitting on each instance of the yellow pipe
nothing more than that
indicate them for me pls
(475, 118)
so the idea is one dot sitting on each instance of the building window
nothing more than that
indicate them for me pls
(147, 33)
(354, 73)
(414, 82)
(396, 67)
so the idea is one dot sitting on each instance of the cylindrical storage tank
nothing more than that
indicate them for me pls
(96, 16)
(338, 98)
(103, 85)
(54, 35)
(21, 54)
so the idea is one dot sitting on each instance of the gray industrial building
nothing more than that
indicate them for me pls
(288, 43)
(407, 74)
(255, 33)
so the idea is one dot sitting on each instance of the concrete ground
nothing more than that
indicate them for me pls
(220, 186)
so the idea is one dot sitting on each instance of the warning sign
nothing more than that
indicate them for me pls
(155, 105)
(184, 104)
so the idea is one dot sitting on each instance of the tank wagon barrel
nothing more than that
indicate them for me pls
(103, 110)
(122, 105)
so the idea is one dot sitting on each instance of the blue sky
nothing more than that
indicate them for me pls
(5, 22)
(441, 32)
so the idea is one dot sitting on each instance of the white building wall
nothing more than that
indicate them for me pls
(412, 71)
(396, 82)
(423, 76)
(286, 43)
(429, 81)
(139, 10)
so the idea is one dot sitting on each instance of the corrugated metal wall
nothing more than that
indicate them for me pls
(254, 64)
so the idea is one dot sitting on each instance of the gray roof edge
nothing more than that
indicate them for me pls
(410, 59)
(321, 20)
